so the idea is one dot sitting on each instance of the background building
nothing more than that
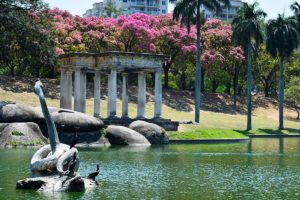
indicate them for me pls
(152, 7)
(97, 10)
(227, 13)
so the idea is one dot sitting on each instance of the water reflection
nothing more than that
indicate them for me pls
(260, 169)
(274, 145)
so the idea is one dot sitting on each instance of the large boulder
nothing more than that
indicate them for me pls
(120, 135)
(21, 134)
(11, 112)
(154, 133)
(70, 119)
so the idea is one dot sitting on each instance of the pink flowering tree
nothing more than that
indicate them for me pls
(134, 33)
(173, 40)
(67, 31)
(220, 54)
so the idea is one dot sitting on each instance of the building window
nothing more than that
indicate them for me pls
(163, 11)
(163, 3)
(124, 1)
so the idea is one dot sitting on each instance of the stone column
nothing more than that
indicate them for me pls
(97, 93)
(112, 94)
(83, 92)
(157, 94)
(141, 94)
(77, 92)
(66, 89)
(125, 96)
(80, 90)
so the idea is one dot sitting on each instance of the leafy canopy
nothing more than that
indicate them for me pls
(282, 36)
(247, 25)
(186, 10)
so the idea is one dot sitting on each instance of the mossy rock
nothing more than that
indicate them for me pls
(21, 134)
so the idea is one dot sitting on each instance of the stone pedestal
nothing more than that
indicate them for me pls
(141, 95)
(97, 93)
(66, 89)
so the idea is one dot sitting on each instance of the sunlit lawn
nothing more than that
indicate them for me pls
(213, 124)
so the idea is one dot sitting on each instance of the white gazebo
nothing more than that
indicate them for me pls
(111, 64)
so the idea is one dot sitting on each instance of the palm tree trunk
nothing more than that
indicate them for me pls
(198, 69)
(249, 89)
(281, 94)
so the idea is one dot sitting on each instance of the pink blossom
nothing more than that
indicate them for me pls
(59, 51)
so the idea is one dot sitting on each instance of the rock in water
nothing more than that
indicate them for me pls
(70, 119)
(120, 135)
(154, 133)
(10, 112)
(57, 184)
(21, 134)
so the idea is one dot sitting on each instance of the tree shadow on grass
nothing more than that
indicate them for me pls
(244, 132)
(271, 131)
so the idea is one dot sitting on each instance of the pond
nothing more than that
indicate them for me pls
(262, 169)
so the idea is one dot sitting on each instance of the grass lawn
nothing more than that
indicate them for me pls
(207, 133)
(213, 124)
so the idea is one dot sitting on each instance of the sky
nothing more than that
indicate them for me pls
(78, 7)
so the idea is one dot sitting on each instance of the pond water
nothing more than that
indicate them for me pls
(262, 169)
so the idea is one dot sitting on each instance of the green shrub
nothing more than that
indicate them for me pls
(17, 133)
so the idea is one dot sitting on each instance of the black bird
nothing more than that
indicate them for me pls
(61, 127)
(74, 139)
(72, 165)
(94, 174)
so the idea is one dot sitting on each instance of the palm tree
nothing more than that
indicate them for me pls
(187, 11)
(247, 32)
(282, 39)
(296, 9)
(110, 9)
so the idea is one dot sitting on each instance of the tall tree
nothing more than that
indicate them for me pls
(187, 11)
(282, 39)
(247, 32)
(296, 9)
(293, 94)
(112, 11)
(26, 40)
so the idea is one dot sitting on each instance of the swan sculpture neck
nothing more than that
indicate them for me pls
(53, 137)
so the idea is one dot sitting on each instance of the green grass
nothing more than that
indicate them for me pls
(207, 133)
(196, 132)
(262, 131)
(213, 124)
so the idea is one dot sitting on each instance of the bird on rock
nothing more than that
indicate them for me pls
(74, 139)
(94, 174)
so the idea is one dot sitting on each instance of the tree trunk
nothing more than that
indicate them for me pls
(228, 88)
(298, 113)
(12, 70)
(202, 80)
(267, 89)
(183, 80)
(281, 94)
(249, 89)
(153, 79)
(166, 73)
(214, 86)
(235, 85)
(198, 69)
